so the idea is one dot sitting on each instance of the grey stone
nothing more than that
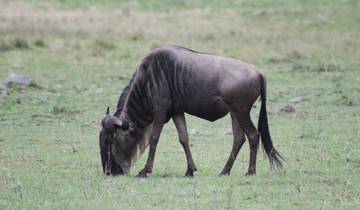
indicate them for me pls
(17, 79)
(99, 90)
(295, 100)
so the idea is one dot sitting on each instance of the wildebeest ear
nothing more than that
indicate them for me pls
(107, 111)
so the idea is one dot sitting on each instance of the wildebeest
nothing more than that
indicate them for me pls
(173, 80)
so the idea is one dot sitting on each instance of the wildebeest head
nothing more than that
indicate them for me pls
(116, 143)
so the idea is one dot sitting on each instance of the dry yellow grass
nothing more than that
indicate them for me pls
(197, 28)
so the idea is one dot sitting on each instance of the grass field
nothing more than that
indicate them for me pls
(81, 54)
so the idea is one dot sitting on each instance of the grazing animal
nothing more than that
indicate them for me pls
(174, 80)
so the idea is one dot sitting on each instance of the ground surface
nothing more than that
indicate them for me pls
(81, 54)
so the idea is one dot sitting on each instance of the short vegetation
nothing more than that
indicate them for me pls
(82, 54)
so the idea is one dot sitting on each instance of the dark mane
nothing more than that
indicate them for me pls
(122, 98)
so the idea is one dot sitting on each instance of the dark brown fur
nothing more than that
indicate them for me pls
(171, 81)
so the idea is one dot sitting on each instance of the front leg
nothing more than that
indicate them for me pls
(180, 124)
(154, 139)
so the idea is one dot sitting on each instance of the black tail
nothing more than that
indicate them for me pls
(263, 128)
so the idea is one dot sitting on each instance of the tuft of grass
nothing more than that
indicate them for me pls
(20, 43)
(14, 44)
(104, 44)
(5, 45)
(39, 43)
(61, 110)
(326, 67)
(101, 46)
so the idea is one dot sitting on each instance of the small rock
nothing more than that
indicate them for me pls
(228, 132)
(194, 132)
(287, 109)
(99, 90)
(295, 100)
(17, 79)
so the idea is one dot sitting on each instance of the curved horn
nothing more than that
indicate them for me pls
(112, 122)
(107, 111)
(122, 123)
(118, 122)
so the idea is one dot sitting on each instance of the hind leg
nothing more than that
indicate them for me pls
(239, 139)
(253, 137)
(245, 124)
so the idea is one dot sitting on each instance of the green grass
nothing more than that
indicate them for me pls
(49, 155)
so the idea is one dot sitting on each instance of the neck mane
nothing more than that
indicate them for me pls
(134, 105)
(140, 144)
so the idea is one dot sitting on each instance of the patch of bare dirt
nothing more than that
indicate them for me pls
(288, 109)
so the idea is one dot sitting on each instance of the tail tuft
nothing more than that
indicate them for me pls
(275, 159)
(263, 127)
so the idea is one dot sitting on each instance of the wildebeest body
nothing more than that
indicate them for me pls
(196, 83)
(173, 80)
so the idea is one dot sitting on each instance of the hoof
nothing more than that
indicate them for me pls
(189, 173)
(250, 173)
(224, 173)
(141, 174)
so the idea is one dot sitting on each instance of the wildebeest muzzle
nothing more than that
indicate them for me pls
(110, 167)
(109, 125)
